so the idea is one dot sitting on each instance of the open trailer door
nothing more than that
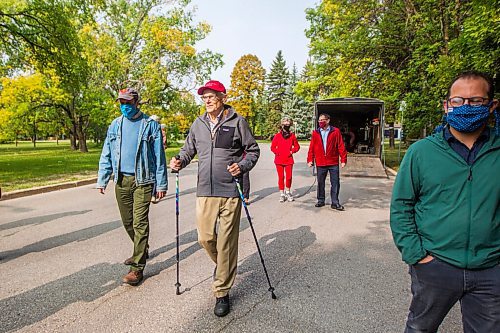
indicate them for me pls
(361, 122)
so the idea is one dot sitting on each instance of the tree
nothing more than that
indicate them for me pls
(92, 48)
(277, 82)
(247, 85)
(398, 50)
(295, 107)
(26, 104)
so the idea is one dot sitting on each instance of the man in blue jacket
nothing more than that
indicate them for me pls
(445, 213)
(133, 152)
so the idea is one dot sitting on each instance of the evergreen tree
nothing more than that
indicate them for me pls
(277, 82)
(277, 91)
(297, 108)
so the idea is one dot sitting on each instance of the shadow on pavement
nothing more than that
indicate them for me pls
(86, 285)
(40, 219)
(359, 285)
(60, 240)
(261, 194)
(37, 304)
(251, 283)
(186, 238)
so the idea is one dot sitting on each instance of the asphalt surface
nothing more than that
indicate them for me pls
(61, 257)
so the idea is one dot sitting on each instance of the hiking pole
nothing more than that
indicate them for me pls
(177, 284)
(271, 289)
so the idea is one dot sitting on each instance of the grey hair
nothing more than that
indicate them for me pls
(220, 95)
(287, 119)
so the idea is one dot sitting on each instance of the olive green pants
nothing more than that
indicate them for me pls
(222, 244)
(133, 203)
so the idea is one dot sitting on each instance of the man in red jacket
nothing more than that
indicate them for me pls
(325, 149)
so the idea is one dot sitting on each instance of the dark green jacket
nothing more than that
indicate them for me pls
(444, 207)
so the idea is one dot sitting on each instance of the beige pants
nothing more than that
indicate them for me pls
(222, 244)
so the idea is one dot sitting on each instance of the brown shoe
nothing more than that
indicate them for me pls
(133, 278)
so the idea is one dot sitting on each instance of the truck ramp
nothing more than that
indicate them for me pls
(363, 166)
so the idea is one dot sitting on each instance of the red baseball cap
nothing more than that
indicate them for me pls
(213, 85)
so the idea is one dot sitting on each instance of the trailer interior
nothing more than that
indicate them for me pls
(359, 119)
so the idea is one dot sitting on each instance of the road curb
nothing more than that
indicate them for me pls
(48, 188)
(391, 171)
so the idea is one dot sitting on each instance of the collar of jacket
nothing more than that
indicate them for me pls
(492, 143)
(332, 129)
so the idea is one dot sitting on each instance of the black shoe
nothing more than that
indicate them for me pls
(221, 306)
(338, 207)
(319, 204)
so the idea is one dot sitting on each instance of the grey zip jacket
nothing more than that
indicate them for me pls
(231, 142)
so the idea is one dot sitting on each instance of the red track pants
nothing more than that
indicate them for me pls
(284, 175)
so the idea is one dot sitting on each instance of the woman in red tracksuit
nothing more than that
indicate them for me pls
(284, 145)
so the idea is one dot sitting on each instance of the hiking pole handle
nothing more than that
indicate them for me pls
(177, 157)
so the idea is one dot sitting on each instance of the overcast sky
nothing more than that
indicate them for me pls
(259, 27)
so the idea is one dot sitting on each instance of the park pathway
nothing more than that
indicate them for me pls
(61, 265)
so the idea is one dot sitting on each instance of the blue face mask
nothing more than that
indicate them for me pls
(466, 118)
(128, 110)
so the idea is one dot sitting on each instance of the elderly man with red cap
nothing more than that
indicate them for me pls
(226, 148)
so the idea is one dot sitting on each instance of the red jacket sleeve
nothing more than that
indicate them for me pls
(274, 144)
(295, 144)
(341, 149)
(310, 152)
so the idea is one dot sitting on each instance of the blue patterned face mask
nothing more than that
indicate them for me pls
(128, 110)
(466, 118)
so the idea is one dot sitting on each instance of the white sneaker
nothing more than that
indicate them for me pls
(282, 197)
(289, 197)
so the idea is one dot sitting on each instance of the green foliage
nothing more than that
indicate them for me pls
(50, 163)
(247, 85)
(277, 82)
(89, 49)
(398, 50)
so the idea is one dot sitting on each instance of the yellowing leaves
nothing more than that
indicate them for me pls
(171, 39)
(247, 84)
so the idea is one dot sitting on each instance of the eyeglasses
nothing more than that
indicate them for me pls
(206, 98)
(473, 101)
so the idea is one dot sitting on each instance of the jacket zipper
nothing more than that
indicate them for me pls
(470, 217)
(213, 137)
(211, 154)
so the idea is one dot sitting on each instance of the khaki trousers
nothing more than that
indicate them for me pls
(222, 244)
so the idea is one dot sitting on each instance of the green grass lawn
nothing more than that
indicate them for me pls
(391, 156)
(26, 167)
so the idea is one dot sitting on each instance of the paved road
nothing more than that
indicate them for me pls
(61, 265)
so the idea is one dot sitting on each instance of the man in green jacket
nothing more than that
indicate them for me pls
(445, 213)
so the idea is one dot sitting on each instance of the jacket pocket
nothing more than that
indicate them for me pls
(225, 137)
(146, 156)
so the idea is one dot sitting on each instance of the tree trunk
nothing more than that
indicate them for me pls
(391, 135)
(72, 137)
(444, 26)
(33, 138)
(82, 139)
